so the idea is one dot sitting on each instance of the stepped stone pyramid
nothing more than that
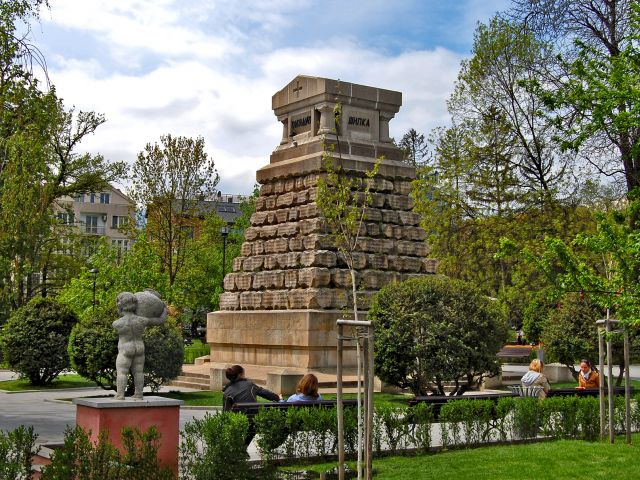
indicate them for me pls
(290, 284)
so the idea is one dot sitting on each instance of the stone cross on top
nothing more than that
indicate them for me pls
(306, 109)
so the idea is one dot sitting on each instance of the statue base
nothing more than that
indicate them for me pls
(97, 414)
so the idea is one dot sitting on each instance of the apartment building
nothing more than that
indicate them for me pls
(100, 214)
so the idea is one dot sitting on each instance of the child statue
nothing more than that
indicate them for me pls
(139, 310)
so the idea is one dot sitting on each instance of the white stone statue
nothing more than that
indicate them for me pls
(139, 310)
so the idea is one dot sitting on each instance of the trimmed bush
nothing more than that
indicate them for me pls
(93, 348)
(35, 339)
(80, 458)
(213, 448)
(433, 329)
(195, 350)
(17, 448)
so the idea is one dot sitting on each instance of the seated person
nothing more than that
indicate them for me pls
(535, 377)
(241, 390)
(588, 377)
(306, 390)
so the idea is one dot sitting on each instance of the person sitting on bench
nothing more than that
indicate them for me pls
(307, 390)
(535, 377)
(588, 377)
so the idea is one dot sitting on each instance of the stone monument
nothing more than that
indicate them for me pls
(139, 310)
(289, 285)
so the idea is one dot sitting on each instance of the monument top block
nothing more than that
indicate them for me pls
(305, 91)
(306, 109)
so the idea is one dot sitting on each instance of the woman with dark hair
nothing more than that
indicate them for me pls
(241, 390)
(307, 390)
(588, 377)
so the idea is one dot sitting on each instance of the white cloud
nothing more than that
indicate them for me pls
(218, 83)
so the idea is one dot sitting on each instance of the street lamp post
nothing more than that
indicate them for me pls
(224, 231)
(94, 272)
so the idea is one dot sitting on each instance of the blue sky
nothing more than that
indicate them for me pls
(209, 68)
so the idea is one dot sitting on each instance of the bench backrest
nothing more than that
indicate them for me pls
(252, 408)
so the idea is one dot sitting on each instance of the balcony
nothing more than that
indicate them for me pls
(93, 230)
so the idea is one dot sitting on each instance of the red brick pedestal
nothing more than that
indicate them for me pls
(98, 414)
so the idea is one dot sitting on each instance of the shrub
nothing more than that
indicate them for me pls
(432, 329)
(35, 339)
(17, 447)
(588, 418)
(81, 459)
(421, 418)
(93, 348)
(213, 448)
(526, 418)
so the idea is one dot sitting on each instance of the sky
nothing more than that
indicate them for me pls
(210, 67)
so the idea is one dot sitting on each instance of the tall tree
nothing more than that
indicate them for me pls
(38, 163)
(414, 146)
(595, 91)
(505, 57)
(169, 180)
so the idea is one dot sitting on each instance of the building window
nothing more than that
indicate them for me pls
(79, 198)
(121, 244)
(104, 198)
(92, 198)
(91, 224)
(119, 221)
(65, 218)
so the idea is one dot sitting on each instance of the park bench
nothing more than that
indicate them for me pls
(585, 392)
(251, 409)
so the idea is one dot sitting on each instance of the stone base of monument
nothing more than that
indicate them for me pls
(304, 339)
(98, 414)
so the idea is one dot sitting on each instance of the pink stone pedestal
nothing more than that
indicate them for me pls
(98, 414)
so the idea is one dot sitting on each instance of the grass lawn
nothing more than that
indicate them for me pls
(214, 399)
(63, 381)
(557, 460)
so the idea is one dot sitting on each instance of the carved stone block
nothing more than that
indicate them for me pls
(318, 241)
(270, 202)
(253, 264)
(409, 218)
(271, 218)
(288, 260)
(258, 247)
(301, 197)
(411, 264)
(389, 216)
(276, 245)
(294, 214)
(230, 301)
(229, 282)
(266, 189)
(321, 298)
(310, 210)
(314, 277)
(318, 258)
(288, 229)
(310, 225)
(278, 186)
(430, 265)
(291, 278)
(243, 281)
(251, 233)
(261, 203)
(270, 262)
(251, 300)
(313, 194)
(275, 300)
(373, 229)
(238, 263)
(377, 262)
(282, 215)
(289, 185)
(312, 179)
(285, 200)
(414, 233)
(359, 260)
(268, 231)
(296, 244)
(341, 278)
(246, 249)
(298, 299)
(402, 187)
(373, 215)
(259, 218)
(398, 202)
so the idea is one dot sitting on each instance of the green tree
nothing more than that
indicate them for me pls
(505, 57)
(169, 180)
(431, 330)
(414, 146)
(38, 163)
(35, 339)
(594, 92)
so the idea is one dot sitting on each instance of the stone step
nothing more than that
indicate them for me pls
(195, 386)
(190, 379)
(194, 375)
